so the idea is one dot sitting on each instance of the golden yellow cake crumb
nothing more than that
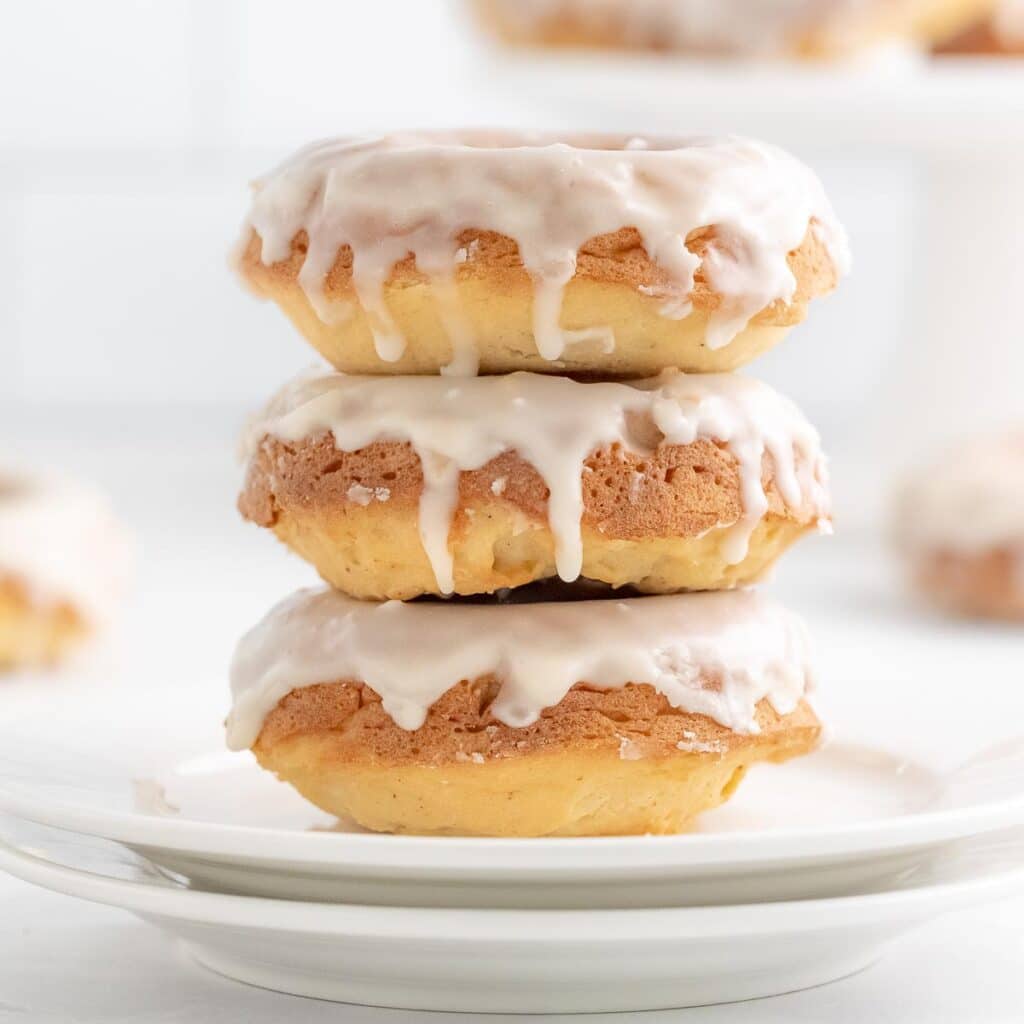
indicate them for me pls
(657, 522)
(601, 762)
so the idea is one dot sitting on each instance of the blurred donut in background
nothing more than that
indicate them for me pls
(999, 35)
(64, 562)
(960, 524)
(815, 29)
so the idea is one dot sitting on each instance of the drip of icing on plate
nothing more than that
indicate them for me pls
(59, 539)
(714, 654)
(391, 196)
(554, 423)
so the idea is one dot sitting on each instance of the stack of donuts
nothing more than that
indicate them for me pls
(537, 491)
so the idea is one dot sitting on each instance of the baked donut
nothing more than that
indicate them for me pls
(960, 527)
(735, 28)
(609, 256)
(62, 565)
(394, 487)
(587, 717)
(999, 35)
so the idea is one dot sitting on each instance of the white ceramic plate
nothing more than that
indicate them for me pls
(526, 961)
(843, 820)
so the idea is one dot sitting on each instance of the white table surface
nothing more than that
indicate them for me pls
(204, 577)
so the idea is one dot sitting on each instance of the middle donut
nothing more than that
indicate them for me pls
(394, 487)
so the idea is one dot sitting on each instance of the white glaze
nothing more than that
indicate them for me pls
(391, 196)
(59, 539)
(751, 27)
(554, 423)
(411, 653)
(361, 495)
(970, 500)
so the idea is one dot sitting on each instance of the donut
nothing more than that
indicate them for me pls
(395, 487)
(959, 525)
(612, 256)
(737, 28)
(35, 633)
(999, 35)
(587, 717)
(62, 566)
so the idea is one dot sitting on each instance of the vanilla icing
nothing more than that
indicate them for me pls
(391, 196)
(969, 500)
(555, 423)
(751, 27)
(714, 654)
(59, 539)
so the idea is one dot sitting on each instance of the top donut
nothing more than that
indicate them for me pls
(484, 253)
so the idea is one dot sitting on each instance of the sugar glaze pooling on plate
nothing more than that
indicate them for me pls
(554, 423)
(753, 649)
(391, 196)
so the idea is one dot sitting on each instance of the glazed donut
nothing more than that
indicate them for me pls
(960, 527)
(62, 566)
(393, 487)
(1000, 35)
(748, 28)
(589, 717)
(494, 253)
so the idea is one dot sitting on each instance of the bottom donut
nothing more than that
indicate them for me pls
(590, 717)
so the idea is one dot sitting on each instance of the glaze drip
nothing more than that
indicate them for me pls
(389, 197)
(715, 654)
(554, 423)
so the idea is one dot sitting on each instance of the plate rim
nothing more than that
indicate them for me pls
(510, 927)
(375, 854)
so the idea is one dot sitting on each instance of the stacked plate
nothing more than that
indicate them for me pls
(796, 882)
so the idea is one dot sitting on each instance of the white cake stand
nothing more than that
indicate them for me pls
(957, 123)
